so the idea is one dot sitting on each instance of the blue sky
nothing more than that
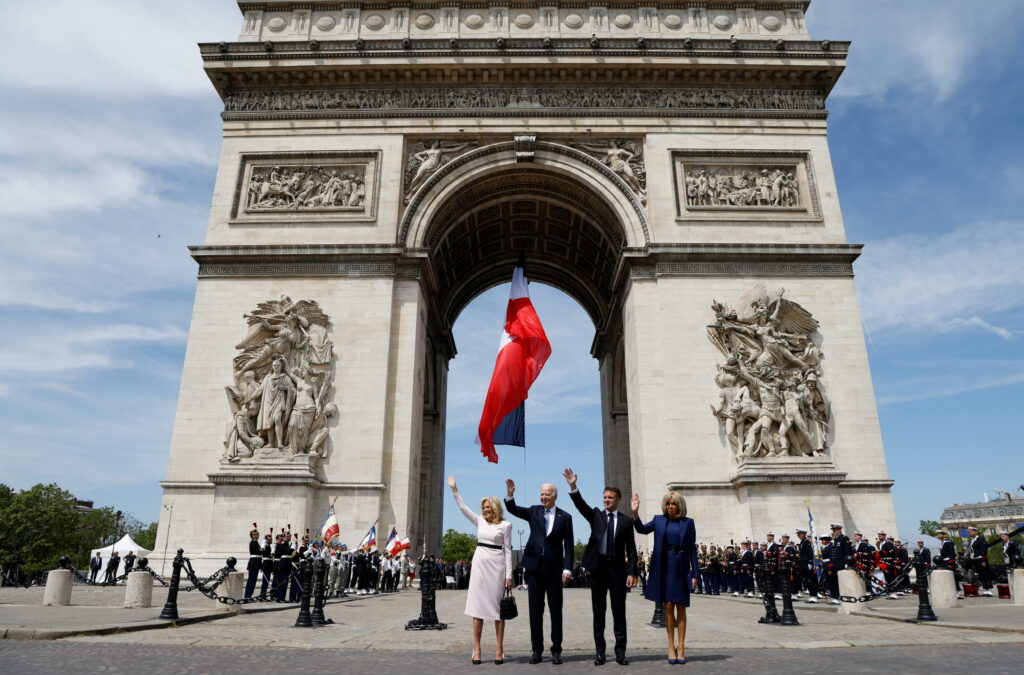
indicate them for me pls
(109, 151)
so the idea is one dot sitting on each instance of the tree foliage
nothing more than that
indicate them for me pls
(457, 546)
(578, 549)
(928, 527)
(40, 524)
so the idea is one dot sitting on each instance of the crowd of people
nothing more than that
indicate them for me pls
(274, 562)
(110, 566)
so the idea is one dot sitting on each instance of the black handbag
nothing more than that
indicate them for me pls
(508, 609)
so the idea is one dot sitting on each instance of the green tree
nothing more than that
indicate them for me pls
(145, 536)
(457, 546)
(577, 550)
(928, 527)
(36, 525)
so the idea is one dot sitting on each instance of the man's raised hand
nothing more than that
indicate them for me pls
(635, 503)
(510, 488)
(570, 478)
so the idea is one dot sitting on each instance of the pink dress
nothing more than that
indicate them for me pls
(491, 566)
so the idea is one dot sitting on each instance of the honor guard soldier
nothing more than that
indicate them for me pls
(282, 566)
(789, 551)
(859, 545)
(1011, 552)
(806, 565)
(267, 563)
(902, 566)
(979, 560)
(772, 550)
(922, 553)
(842, 551)
(255, 561)
(732, 570)
(758, 551)
(827, 564)
(946, 558)
(746, 563)
(887, 561)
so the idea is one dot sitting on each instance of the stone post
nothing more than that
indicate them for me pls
(850, 584)
(233, 586)
(943, 590)
(58, 588)
(1017, 587)
(138, 591)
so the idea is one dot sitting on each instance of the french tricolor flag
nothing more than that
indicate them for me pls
(523, 351)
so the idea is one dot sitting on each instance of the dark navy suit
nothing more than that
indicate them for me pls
(545, 558)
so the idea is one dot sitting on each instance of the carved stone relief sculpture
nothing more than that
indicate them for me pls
(770, 401)
(426, 157)
(624, 157)
(282, 398)
(307, 187)
(742, 186)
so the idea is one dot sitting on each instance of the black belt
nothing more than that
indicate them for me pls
(480, 543)
(674, 549)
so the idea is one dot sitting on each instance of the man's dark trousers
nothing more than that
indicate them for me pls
(540, 585)
(603, 581)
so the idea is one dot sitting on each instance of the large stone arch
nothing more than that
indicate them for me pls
(573, 217)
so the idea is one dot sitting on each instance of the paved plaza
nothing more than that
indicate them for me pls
(368, 635)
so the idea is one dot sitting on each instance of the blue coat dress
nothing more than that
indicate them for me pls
(673, 559)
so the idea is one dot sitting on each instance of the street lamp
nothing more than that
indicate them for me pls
(170, 514)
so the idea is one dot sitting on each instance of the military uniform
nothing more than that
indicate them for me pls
(979, 559)
(266, 564)
(746, 571)
(806, 566)
(255, 562)
(828, 565)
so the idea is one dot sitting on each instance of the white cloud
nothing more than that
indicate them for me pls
(77, 349)
(950, 378)
(949, 282)
(919, 46)
(125, 48)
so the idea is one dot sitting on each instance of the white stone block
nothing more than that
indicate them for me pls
(942, 589)
(138, 591)
(850, 584)
(232, 587)
(1017, 587)
(58, 589)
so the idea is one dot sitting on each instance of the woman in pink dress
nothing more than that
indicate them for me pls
(491, 572)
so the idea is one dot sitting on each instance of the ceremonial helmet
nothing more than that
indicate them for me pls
(254, 532)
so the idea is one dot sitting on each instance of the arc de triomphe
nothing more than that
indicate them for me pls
(665, 164)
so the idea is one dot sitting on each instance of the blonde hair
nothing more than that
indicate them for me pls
(497, 512)
(673, 496)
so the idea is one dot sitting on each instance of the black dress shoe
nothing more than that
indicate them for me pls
(620, 658)
(535, 658)
(556, 658)
(601, 659)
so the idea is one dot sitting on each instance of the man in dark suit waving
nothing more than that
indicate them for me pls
(548, 562)
(610, 558)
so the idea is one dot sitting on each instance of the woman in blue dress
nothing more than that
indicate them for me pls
(673, 568)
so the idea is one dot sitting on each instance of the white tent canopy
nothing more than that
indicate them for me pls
(122, 547)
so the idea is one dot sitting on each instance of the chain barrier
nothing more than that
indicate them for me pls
(221, 574)
(86, 580)
(40, 580)
(891, 587)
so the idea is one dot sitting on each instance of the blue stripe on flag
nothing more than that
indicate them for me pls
(512, 430)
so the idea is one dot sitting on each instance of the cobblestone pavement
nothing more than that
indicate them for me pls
(377, 624)
(99, 596)
(32, 658)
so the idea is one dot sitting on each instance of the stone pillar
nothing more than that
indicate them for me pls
(233, 586)
(58, 589)
(942, 586)
(1017, 587)
(138, 591)
(850, 584)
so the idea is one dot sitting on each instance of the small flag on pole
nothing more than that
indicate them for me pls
(330, 529)
(392, 540)
(522, 353)
(370, 540)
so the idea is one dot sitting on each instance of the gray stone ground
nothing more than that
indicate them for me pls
(369, 636)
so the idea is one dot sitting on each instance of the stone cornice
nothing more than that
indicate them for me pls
(760, 260)
(301, 260)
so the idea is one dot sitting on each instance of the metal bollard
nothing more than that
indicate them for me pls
(142, 564)
(428, 613)
(304, 620)
(771, 613)
(658, 618)
(170, 610)
(231, 562)
(788, 615)
(924, 605)
(318, 593)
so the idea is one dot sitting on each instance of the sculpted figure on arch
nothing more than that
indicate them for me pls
(281, 402)
(770, 401)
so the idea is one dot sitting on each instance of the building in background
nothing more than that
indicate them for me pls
(992, 517)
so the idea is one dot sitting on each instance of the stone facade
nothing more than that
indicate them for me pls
(552, 147)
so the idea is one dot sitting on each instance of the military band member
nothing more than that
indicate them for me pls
(732, 561)
(806, 565)
(887, 558)
(758, 550)
(772, 550)
(255, 561)
(859, 545)
(979, 559)
(1011, 552)
(746, 575)
(789, 552)
(946, 558)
